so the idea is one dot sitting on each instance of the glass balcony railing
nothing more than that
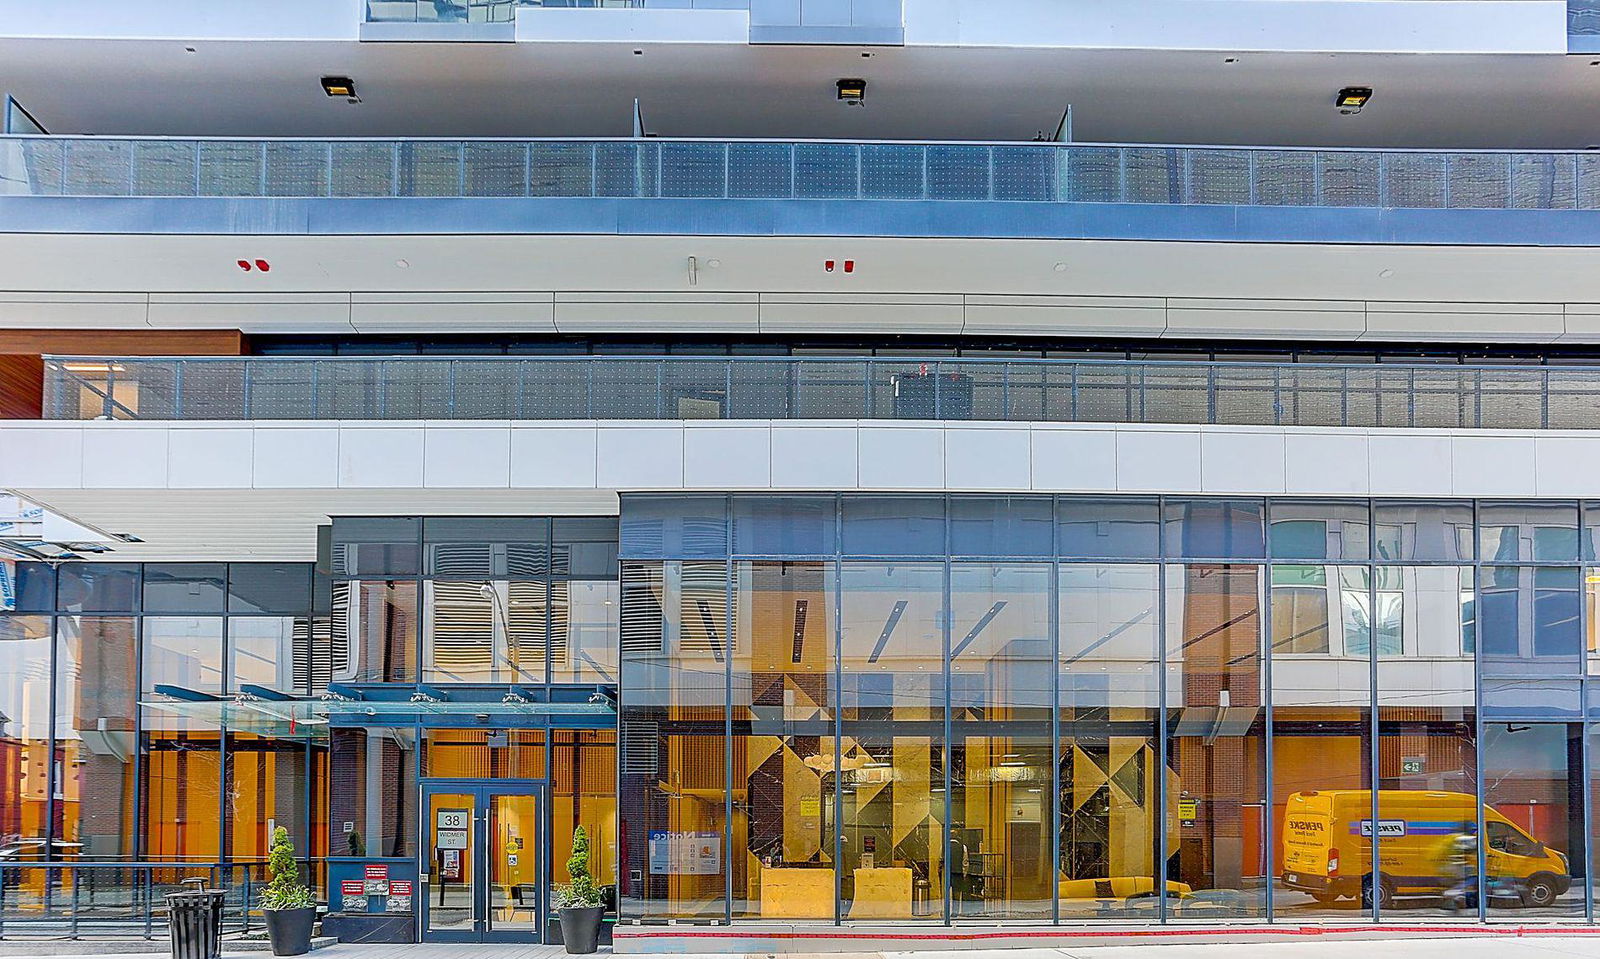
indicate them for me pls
(611, 387)
(809, 170)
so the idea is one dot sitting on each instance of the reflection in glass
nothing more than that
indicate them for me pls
(266, 788)
(1533, 819)
(1322, 739)
(583, 631)
(183, 652)
(1528, 532)
(374, 789)
(25, 760)
(1216, 744)
(95, 719)
(673, 792)
(1427, 750)
(784, 751)
(377, 620)
(892, 644)
(893, 826)
(1111, 811)
(488, 632)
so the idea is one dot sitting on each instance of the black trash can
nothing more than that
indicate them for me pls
(194, 921)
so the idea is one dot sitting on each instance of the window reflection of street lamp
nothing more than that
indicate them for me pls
(499, 639)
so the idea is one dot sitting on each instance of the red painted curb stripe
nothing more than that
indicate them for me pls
(1111, 933)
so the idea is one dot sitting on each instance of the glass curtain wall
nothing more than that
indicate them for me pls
(1035, 709)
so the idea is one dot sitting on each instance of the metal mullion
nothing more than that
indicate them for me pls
(1588, 798)
(1374, 753)
(1477, 717)
(1053, 831)
(50, 740)
(1264, 645)
(1161, 713)
(949, 746)
(728, 624)
(837, 562)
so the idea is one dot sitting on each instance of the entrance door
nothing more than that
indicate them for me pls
(485, 871)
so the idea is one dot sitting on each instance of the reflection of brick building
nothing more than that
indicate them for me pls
(1216, 747)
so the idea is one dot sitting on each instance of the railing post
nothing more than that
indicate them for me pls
(938, 390)
(452, 381)
(1073, 394)
(245, 398)
(177, 389)
(73, 875)
(1544, 398)
(261, 180)
(107, 401)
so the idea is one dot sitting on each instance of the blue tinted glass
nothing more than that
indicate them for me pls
(1214, 529)
(98, 588)
(269, 587)
(1530, 619)
(1001, 526)
(1519, 532)
(894, 525)
(783, 525)
(1422, 531)
(687, 527)
(27, 587)
(1320, 530)
(1524, 699)
(184, 587)
(377, 546)
(1109, 529)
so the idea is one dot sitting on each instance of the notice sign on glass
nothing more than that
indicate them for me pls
(353, 895)
(685, 853)
(399, 896)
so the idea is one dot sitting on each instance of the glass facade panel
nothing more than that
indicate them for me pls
(1528, 532)
(483, 753)
(184, 652)
(785, 756)
(1426, 806)
(372, 771)
(1001, 526)
(25, 643)
(584, 617)
(1322, 738)
(27, 587)
(1214, 529)
(1123, 528)
(1422, 531)
(98, 588)
(96, 719)
(894, 526)
(1533, 820)
(185, 587)
(1216, 738)
(784, 525)
(377, 620)
(1329, 531)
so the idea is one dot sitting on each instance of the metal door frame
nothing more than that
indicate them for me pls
(483, 793)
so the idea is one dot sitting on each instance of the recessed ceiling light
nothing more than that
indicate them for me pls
(1386, 273)
(1350, 100)
(403, 264)
(340, 87)
(1060, 268)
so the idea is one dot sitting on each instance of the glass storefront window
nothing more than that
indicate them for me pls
(272, 652)
(98, 588)
(1001, 526)
(1322, 739)
(27, 587)
(784, 750)
(1216, 740)
(784, 525)
(1427, 748)
(1529, 620)
(266, 782)
(485, 632)
(1533, 820)
(185, 587)
(269, 588)
(583, 792)
(96, 717)
(182, 801)
(26, 762)
(373, 787)
(1000, 643)
(1214, 529)
(483, 753)
(892, 825)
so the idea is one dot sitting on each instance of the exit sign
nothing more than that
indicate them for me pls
(1410, 767)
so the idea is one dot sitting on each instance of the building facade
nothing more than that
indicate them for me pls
(885, 470)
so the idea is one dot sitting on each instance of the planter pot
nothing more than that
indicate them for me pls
(290, 930)
(580, 929)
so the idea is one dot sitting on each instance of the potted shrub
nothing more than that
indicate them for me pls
(579, 901)
(287, 904)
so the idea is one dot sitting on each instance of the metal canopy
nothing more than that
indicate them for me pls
(289, 717)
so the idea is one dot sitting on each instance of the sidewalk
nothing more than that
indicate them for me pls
(1403, 945)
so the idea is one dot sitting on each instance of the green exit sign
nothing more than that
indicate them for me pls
(1410, 767)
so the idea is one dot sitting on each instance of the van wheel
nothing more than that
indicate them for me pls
(1385, 893)
(1324, 897)
(1540, 891)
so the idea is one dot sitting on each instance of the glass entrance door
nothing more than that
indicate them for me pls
(485, 871)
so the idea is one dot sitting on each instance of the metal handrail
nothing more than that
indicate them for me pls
(1099, 390)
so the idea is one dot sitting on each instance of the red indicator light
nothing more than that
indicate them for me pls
(263, 266)
(828, 266)
(244, 265)
(849, 266)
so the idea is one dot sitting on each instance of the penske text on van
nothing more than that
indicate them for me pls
(1327, 848)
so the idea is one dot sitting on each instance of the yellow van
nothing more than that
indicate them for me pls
(1327, 847)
